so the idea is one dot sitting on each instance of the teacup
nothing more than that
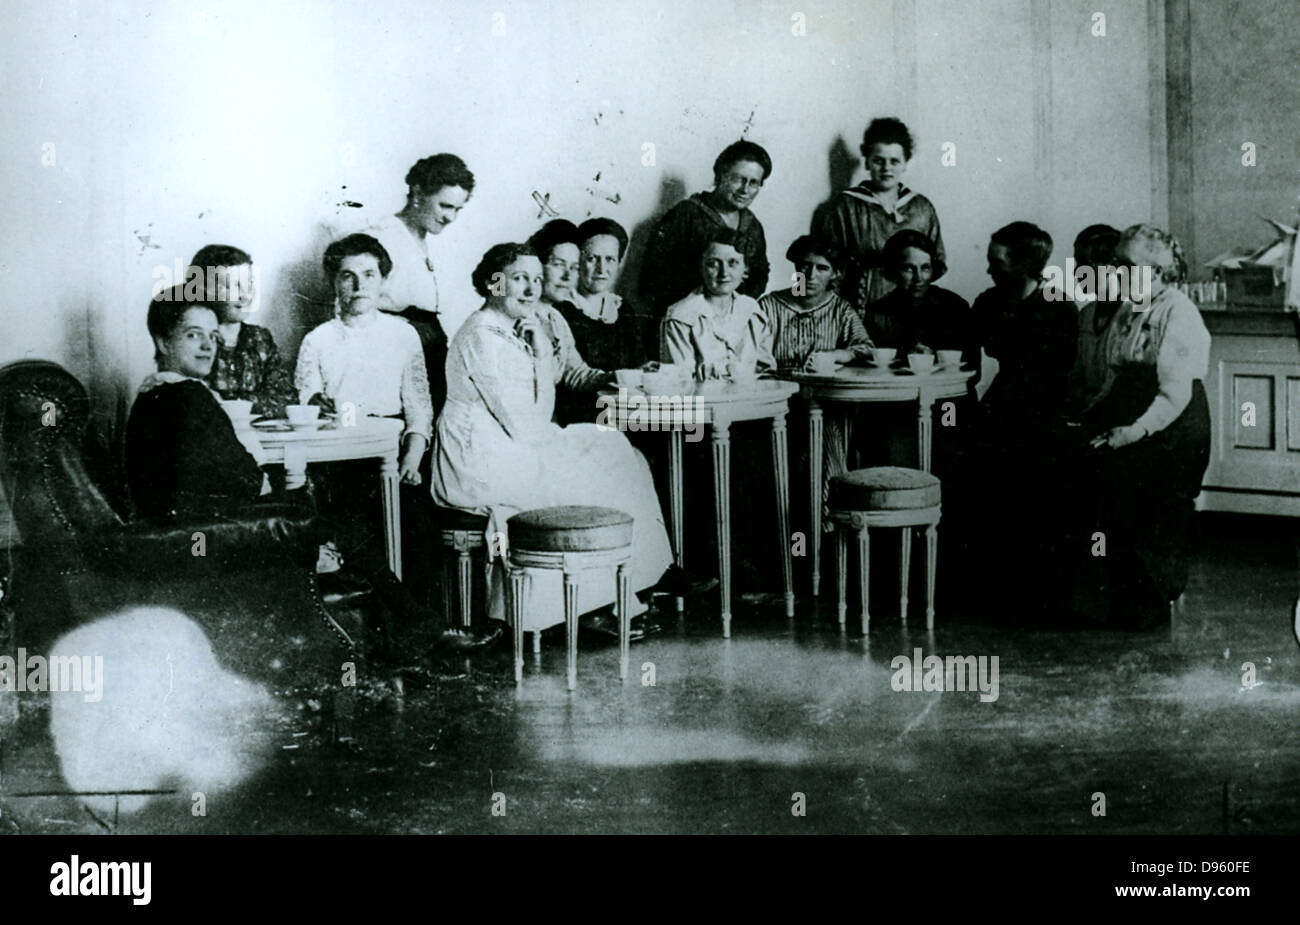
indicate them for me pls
(239, 411)
(823, 364)
(744, 375)
(629, 378)
(883, 356)
(303, 417)
(920, 362)
(949, 358)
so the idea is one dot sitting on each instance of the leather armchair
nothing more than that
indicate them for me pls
(253, 589)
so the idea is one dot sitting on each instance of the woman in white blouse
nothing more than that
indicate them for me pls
(1151, 428)
(370, 359)
(715, 331)
(498, 451)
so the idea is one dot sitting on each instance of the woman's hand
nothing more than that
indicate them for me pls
(326, 403)
(1119, 437)
(408, 469)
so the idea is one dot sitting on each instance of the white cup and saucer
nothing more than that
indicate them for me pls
(240, 412)
(883, 356)
(920, 363)
(949, 359)
(303, 417)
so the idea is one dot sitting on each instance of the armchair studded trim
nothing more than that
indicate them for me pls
(250, 583)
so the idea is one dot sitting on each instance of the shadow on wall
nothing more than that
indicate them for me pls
(841, 164)
(672, 190)
(302, 298)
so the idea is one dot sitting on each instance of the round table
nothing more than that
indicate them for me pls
(864, 384)
(367, 437)
(717, 405)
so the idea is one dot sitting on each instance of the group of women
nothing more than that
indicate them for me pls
(1096, 418)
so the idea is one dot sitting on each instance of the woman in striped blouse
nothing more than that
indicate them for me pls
(810, 319)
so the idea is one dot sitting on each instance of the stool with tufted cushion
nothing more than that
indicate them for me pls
(461, 533)
(571, 539)
(884, 496)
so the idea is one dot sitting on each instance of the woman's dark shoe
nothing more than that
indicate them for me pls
(605, 623)
(462, 642)
(677, 582)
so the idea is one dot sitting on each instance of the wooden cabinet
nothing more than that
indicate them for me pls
(1254, 393)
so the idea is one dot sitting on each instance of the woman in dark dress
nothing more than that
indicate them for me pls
(1150, 429)
(670, 267)
(184, 459)
(917, 316)
(609, 331)
(1009, 497)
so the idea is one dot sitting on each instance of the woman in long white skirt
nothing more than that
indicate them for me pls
(498, 452)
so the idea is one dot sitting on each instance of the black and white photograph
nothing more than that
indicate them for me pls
(844, 417)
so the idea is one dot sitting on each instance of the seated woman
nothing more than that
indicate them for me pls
(498, 451)
(715, 332)
(809, 321)
(556, 245)
(864, 218)
(609, 332)
(1151, 429)
(1011, 496)
(370, 362)
(371, 359)
(1032, 336)
(184, 457)
(247, 365)
(1094, 257)
(669, 267)
(720, 334)
(916, 315)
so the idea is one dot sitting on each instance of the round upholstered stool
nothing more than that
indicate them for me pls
(461, 533)
(570, 539)
(884, 496)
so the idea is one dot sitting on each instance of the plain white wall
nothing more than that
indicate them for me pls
(175, 125)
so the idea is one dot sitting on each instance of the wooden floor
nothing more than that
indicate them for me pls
(733, 730)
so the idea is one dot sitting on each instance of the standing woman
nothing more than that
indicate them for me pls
(1152, 434)
(437, 189)
(670, 267)
(865, 217)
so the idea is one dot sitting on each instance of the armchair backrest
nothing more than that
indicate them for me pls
(43, 413)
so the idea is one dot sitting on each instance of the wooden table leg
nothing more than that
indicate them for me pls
(904, 571)
(391, 498)
(931, 564)
(722, 512)
(515, 599)
(571, 624)
(864, 576)
(815, 490)
(675, 502)
(781, 471)
(295, 467)
(624, 588)
(924, 428)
